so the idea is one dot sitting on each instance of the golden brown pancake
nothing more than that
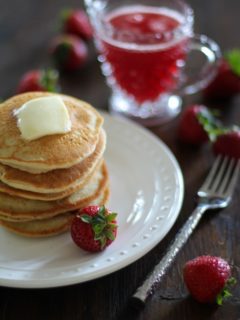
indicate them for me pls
(47, 196)
(54, 184)
(51, 226)
(19, 209)
(53, 151)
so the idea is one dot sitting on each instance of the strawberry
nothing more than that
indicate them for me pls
(39, 80)
(228, 143)
(76, 22)
(94, 228)
(194, 123)
(226, 83)
(207, 278)
(69, 52)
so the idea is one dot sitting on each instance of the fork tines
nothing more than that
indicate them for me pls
(223, 176)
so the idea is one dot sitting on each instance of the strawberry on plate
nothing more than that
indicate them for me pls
(39, 80)
(76, 22)
(69, 52)
(226, 83)
(208, 278)
(195, 122)
(94, 228)
(228, 143)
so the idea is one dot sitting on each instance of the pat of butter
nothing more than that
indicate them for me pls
(43, 116)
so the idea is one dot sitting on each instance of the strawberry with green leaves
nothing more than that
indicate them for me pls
(208, 279)
(195, 123)
(94, 228)
(39, 80)
(226, 83)
(68, 52)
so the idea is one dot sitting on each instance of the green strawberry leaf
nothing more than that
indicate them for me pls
(110, 235)
(212, 126)
(112, 226)
(233, 58)
(111, 217)
(102, 211)
(49, 79)
(98, 229)
(86, 218)
(103, 242)
(225, 293)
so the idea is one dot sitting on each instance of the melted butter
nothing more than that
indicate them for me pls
(42, 117)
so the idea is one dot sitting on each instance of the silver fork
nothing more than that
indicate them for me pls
(215, 193)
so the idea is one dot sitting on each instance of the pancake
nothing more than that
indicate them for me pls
(47, 196)
(60, 182)
(52, 151)
(19, 209)
(51, 226)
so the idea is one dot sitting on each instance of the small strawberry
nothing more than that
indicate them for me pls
(76, 22)
(94, 228)
(226, 83)
(195, 121)
(39, 80)
(228, 143)
(207, 279)
(69, 52)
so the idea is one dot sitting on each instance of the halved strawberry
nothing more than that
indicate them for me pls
(94, 228)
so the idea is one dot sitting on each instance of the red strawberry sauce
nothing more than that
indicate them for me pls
(143, 53)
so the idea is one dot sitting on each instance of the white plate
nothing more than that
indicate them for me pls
(146, 191)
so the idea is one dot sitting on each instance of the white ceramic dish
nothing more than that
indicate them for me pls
(146, 191)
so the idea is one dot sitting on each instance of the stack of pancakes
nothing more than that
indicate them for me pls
(43, 181)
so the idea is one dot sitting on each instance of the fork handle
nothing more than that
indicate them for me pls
(159, 270)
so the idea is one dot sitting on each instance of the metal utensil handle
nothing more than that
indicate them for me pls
(159, 270)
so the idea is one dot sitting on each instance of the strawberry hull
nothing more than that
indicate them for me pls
(94, 228)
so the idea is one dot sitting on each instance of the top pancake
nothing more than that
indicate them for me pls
(52, 151)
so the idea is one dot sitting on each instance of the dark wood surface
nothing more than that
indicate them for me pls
(26, 29)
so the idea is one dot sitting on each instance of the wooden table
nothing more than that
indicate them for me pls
(26, 29)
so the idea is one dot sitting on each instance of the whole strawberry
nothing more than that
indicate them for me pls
(226, 83)
(76, 22)
(94, 228)
(207, 278)
(192, 124)
(39, 80)
(228, 144)
(69, 52)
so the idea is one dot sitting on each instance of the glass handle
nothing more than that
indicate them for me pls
(212, 53)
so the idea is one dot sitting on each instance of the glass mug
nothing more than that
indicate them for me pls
(143, 46)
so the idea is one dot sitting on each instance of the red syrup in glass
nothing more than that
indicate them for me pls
(145, 50)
